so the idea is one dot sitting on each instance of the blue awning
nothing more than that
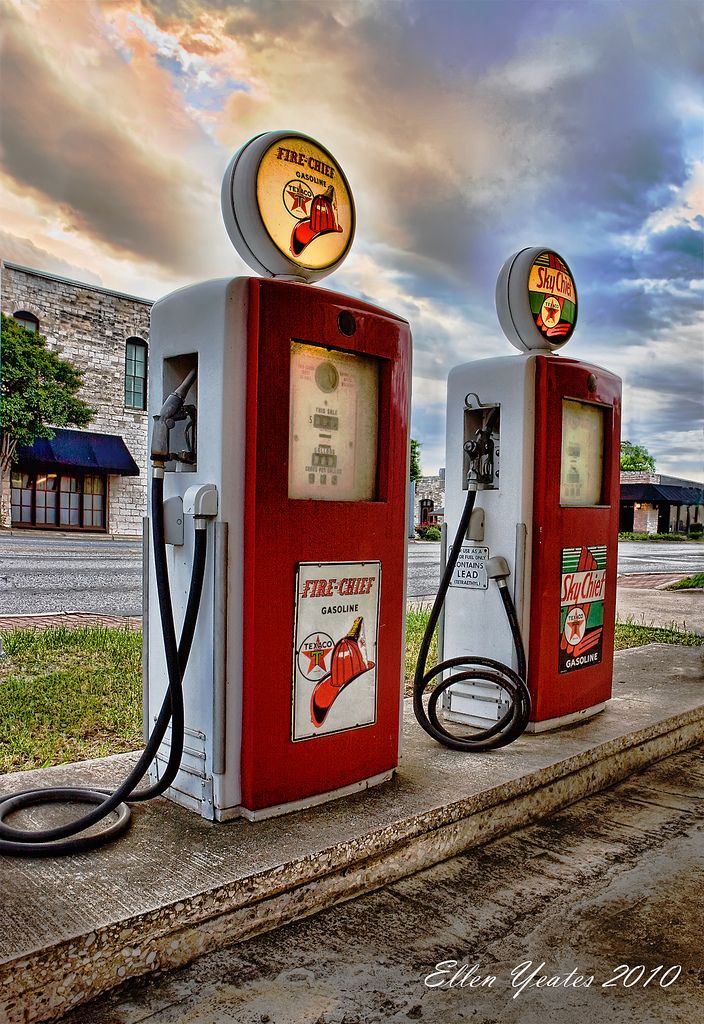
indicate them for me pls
(654, 493)
(80, 449)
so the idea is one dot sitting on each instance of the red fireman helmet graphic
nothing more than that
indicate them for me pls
(321, 222)
(348, 661)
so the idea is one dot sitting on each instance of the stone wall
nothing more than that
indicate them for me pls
(432, 487)
(645, 519)
(89, 327)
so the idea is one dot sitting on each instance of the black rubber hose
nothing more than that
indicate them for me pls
(472, 669)
(176, 668)
(64, 839)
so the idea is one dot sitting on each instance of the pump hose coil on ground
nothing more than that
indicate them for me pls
(472, 669)
(64, 838)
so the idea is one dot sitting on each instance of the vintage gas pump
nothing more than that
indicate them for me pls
(532, 478)
(279, 451)
(293, 457)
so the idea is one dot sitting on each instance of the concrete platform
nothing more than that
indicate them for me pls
(606, 881)
(176, 887)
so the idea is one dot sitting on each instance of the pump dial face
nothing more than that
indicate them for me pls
(333, 424)
(326, 377)
(582, 459)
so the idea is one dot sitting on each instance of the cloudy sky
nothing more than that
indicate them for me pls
(467, 129)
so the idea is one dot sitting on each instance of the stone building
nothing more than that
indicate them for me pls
(429, 500)
(91, 480)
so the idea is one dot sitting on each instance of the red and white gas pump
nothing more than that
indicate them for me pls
(298, 470)
(532, 478)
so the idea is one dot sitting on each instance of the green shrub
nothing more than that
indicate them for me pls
(428, 532)
(652, 536)
(696, 529)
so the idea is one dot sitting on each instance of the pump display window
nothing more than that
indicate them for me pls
(58, 500)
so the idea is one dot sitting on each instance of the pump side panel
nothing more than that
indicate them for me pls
(567, 540)
(281, 532)
(475, 619)
(207, 323)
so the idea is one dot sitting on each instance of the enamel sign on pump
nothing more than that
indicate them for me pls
(293, 688)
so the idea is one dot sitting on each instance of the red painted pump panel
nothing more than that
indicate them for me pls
(281, 532)
(569, 548)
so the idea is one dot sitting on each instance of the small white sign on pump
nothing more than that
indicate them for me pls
(288, 207)
(470, 570)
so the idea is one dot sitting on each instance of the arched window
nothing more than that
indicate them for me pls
(28, 320)
(136, 374)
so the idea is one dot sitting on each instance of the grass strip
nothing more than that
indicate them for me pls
(72, 694)
(671, 538)
(688, 583)
(68, 695)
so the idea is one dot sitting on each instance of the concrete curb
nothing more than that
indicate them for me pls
(45, 983)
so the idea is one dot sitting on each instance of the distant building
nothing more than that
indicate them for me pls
(91, 480)
(429, 507)
(654, 503)
(650, 503)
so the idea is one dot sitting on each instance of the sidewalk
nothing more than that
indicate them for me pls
(638, 598)
(642, 599)
(68, 620)
(176, 886)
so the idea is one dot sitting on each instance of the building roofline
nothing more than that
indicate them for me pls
(629, 476)
(76, 284)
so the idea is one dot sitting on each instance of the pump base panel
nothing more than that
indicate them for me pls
(482, 705)
(302, 805)
(565, 720)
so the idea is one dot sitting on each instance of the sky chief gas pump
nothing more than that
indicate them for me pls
(294, 458)
(532, 493)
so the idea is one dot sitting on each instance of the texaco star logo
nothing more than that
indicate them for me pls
(575, 625)
(297, 196)
(314, 654)
(550, 311)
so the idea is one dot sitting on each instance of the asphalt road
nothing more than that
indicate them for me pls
(599, 901)
(633, 557)
(58, 574)
(43, 574)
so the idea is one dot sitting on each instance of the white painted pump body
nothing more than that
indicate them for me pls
(203, 326)
(475, 619)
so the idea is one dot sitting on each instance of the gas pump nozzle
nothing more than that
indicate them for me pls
(480, 451)
(173, 409)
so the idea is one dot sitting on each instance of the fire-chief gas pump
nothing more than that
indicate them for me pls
(279, 449)
(532, 480)
(301, 408)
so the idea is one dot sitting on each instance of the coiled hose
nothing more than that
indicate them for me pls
(472, 669)
(64, 838)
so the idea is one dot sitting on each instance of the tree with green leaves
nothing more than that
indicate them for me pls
(416, 472)
(38, 391)
(636, 459)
